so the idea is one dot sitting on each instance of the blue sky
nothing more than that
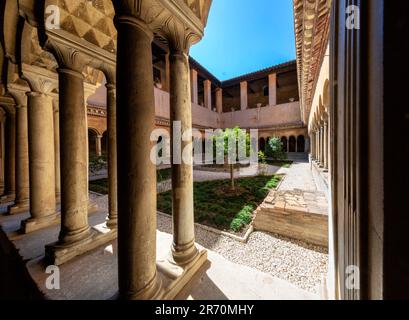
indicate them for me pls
(244, 36)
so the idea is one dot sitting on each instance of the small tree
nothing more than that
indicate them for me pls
(275, 150)
(223, 143)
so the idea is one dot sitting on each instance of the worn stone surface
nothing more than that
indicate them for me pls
(297, 210)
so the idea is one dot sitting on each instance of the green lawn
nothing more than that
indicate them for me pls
(280, 163)
(216, 205)
(101, 185)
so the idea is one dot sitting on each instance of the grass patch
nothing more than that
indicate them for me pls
(216, 205)
(280, 163)
(101, 185)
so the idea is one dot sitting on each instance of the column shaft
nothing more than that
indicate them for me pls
(10, 156)
(73, 161)
(243, 95)
(41, 156)
(183, 248)
(219, 100)
(57, 150)
(136, 173)
(272, 89)
(112, 157)
(98, 148)
(326, 145)
(194, 86)
(207, 93)
(22, 166)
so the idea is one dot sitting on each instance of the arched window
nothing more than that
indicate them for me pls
(292, 143)
(301, 144)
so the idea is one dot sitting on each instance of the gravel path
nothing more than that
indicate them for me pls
(297, 262)
(294, 261)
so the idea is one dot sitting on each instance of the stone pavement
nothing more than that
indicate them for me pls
(298, 176)
(297, 209)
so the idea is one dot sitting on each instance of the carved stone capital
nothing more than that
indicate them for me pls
(179, 37)
(39, 79)
(19, 93)
(67, 56)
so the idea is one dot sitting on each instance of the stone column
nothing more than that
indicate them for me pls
(10, 156)
(112, 155)
(312, 151)
(219, 100)
(41, 160)
(22, 171)
(208, 94)
(272, 89)
(98, 149)
(2, 149)
(137, 270)
(73, 162)
(243, 95)
(57, 149)
(194, 90)
(183, 248)
(321, 146)
(318, 145)
(325, 142)
(167, 84)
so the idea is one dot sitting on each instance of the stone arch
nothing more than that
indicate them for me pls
(92, 141)
(326, 95)
(292, 144)
(300, 143)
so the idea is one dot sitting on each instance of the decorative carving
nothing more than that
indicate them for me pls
(67, 56)
(39, 79)
(91, 20)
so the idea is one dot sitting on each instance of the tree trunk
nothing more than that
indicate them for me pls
(232, 176)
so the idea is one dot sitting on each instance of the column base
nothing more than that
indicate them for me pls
(34, 224)
(7, 198)
(183, 255)
(112, 223)
(19, 207)
(59, 253)
(176, 278)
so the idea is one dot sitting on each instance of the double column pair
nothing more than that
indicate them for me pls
(138, 278)
(75, 230)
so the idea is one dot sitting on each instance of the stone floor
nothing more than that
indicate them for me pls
(268, 266)
(94, 275)
(296, 200)
(298, 209)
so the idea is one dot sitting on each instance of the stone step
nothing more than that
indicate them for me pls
(309, 227)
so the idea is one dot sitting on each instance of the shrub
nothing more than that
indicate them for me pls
(97, 163)
(220, 220)
(242, 218)
(236, 225)
(274, 149)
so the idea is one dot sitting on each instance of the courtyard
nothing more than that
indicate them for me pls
(116, 117)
